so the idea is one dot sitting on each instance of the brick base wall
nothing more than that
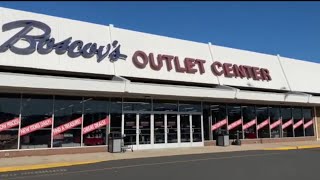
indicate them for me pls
(46, 152)
(267, 140)
(56, 151)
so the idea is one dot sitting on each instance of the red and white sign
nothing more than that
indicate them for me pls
(67, 126)
(219, 124)
(299, 123)
(235, 124)
(306, 125)
(96, 125)
(275, 124)
(249, 124)
(288, 123)
(35, 126)
(263, 124)
(9, 124)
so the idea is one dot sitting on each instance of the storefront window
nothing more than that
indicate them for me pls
(36, 121)
(187, 106)
(219, 119)
(96, 120)
(275, 121)
(67, 121)
(298, 121)
(287, 122)
(115, 115)
(263, 122)
(136, 104)
(206, 121)
(308, 121)
(249, 122)
(165, 105)
(9, 114)
(234, 121)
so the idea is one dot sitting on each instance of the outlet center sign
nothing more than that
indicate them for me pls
(192, 66)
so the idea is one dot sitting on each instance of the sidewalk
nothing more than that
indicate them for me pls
(40, 162)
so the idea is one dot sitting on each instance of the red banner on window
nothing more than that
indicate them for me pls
(235, 124)
(67, 126)
(96, 125)
(288, 123)
(249, 124)
(263, 124)
(275, 124)
(35, 126)
(9, 124)
(219, 124)
(306, 125)
(299, 123)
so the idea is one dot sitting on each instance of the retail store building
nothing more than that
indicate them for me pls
(66, 84)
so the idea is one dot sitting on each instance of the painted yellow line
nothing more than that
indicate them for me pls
(308, 146)
(281, 148)
(43, 166)
(292, 148)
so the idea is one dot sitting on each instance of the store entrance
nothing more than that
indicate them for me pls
(137, 130)
(147, 131)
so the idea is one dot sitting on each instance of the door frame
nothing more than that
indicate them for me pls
(152, 145)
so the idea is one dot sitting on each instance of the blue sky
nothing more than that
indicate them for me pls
(291, 29)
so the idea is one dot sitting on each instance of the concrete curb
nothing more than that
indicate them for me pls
(292, 148)
(43, 166)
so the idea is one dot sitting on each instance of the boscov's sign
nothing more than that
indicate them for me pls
(44, 44)
(192, 66)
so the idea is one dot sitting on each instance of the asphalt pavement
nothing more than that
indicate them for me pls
(243, 165)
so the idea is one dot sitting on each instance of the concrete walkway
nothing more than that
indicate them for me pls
(39, 162)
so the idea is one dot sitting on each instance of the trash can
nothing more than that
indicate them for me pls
(114, 142)
(223, 138)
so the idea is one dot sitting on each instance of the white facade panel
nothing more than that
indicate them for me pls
(241, 57)
(61, 29)
(133, 41)
(302, 75)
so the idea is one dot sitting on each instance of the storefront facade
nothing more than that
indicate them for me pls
(65, 85)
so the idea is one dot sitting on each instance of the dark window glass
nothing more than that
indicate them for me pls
(9, 113)
(249, 122)
(263, 122)
(308, 121)
(286, 114)
(136, 104)
(188, 106)
(95, 115)
(206, 121)
(275, 121)
(115, 115)
(34, 111)
(116, 105)
(219, 114)
(298, 121)
(165, 105)
(67, 110)
(234, 121)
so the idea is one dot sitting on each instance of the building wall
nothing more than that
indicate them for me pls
(317, 122)
(285, 72)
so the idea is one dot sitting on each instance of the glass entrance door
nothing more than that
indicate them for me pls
(185, 129)
(137, 130)
(130, 129)
(196, 128)
(165, 130)
(159, 129)
(144, 129)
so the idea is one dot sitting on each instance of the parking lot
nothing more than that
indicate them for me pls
(262, 165)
